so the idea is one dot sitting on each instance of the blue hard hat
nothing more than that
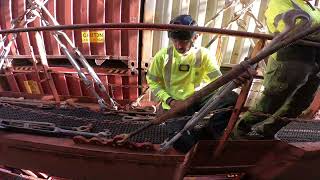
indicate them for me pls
(182, 20)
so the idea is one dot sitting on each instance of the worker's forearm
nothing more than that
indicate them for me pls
(159, 92)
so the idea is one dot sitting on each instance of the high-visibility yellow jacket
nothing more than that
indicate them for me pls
(172, 74)
(277, 7)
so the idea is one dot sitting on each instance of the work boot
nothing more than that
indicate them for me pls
(241, 130)
(269, 127)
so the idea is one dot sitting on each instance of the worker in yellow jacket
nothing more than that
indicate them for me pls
(292, 76)
(178, 71)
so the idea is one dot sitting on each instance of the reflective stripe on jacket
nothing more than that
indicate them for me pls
(277, 7)
(172, 74)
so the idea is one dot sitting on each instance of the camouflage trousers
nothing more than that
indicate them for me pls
(290, 86)
(211, 130)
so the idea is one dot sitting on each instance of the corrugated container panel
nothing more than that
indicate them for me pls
(242, 45)
(147, 36)
(233, 49)
(51, 45)
(113, 14)
(130, 13)
(18, 8)
(81, 15)
(162, 15)
(227, 41)
(237, 47)
(211, 10)
(64, 12)
(122, 84)
(199, 14)
(116, 44)
(216, 47)
(97, 14)
(6, 17)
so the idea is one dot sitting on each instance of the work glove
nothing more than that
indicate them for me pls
(246, 76)
(173, 104)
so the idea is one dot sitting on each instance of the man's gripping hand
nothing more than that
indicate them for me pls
(246, 76)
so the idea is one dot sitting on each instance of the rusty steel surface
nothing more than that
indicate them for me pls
(143, 147)
(55, 155)
(237, 156)
(257, 160)
(293, 161)
(263, 159)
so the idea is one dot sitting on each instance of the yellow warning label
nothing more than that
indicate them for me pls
(95, 36)
(32, 87)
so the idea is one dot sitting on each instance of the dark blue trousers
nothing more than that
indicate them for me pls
(212, 131)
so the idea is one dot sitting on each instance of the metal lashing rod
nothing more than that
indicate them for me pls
(290, 19)
(20, 21)
(44, 62)
(290, 28)
(5, 51)
(95, 77)
(210, 105)
(160, 27)
(280, 41)
(239, 104)
(122, 138)
(86, 81)
(81, 58)
(90, 70)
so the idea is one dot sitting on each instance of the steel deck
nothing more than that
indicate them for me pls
(75, 117)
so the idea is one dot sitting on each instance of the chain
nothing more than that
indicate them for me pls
(286, 119)
(39, 112)
(216, 111)
(56, 115)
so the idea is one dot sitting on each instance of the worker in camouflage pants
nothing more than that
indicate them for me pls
(291, 79)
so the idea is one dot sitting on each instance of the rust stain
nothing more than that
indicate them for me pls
(146, 146)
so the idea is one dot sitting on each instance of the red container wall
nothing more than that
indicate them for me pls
(121, 84)
(116, 45)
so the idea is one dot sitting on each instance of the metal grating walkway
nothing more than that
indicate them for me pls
(306, 131)
(79, 117)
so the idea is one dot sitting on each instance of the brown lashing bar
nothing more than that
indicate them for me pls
(149, 26)
(234, 73)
